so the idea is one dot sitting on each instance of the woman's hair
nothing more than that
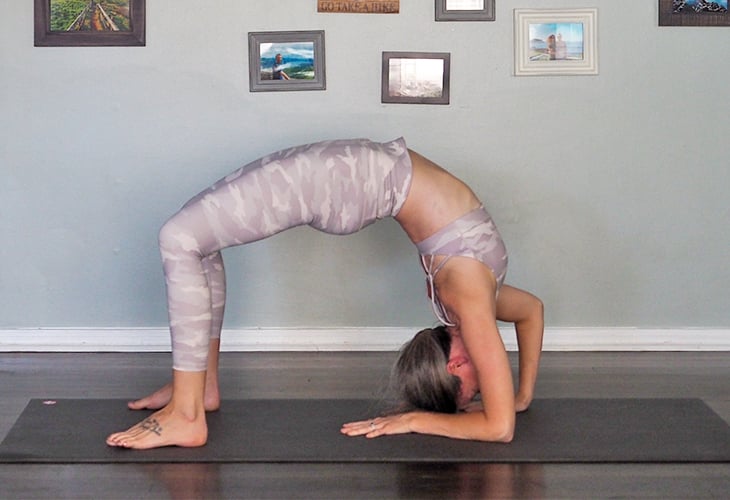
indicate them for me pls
(420, 378)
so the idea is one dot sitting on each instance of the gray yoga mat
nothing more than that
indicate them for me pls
(553, 430)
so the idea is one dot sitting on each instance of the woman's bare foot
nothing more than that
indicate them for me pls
(161, 398)
(179, 423)
(211, 396)
(166, 427)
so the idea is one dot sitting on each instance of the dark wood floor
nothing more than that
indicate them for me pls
(358, 375)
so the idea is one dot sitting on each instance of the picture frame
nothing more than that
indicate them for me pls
(286, 61)
(555, 42)
(89, 23)
(694, 13)
(416, 77)
(465, 10)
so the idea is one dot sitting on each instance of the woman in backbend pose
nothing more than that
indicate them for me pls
(339, 187)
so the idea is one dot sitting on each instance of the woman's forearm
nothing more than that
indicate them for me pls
(529, 341)
(472, 426)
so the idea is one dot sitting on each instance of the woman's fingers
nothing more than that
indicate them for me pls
(380, 426)
(363, 427)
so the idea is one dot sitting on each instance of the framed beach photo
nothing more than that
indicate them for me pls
(415, 77)
(464, 10)
(555, 42)
(693, 13)
(89, 23)
(286, 60)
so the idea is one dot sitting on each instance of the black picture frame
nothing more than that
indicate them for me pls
(416, 77)
(263, 42)
(444, 13)
(125, 26)
(688, 16)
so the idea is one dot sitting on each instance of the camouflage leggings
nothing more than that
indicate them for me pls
(338, 187)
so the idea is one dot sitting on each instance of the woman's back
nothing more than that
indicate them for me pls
(435, 198)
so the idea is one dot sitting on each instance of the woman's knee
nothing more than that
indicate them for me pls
(175, 237)
(166, 234)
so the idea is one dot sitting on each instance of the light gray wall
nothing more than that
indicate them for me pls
(611, 191)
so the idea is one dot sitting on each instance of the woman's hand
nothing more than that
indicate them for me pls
(393, 424)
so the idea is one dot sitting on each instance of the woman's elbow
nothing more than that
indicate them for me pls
(501, 432)
(536, 309)
(506, 434)
(507, 437)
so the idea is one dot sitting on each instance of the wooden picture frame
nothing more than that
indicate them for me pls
(416, 77)
(556, 42)
(89, 23)
(286, 60)
(359, 6)
(465, 10)
(694, 13)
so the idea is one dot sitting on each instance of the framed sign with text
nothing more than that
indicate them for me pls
(359, 6)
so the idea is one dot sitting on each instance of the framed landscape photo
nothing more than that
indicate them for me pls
(464, 10)
(286, 60)
(693, 13)
(416, 77)
(555, 42)
(89, 23)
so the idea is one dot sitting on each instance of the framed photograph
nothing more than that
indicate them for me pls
(416, 77)
(464, 10)
(89, 23)
(693, 13)
(286, 60)
(556, 42)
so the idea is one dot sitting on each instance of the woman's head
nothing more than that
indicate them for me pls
(421, 377)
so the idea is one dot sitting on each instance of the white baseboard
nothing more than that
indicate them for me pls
(352, 339)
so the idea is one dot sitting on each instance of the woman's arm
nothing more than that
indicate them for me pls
(526, 312)
(472, 426)
(466, 289)
(470, 300)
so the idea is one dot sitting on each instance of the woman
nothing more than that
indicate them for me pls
(340, 187)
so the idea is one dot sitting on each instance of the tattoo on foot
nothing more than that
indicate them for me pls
(152, 425)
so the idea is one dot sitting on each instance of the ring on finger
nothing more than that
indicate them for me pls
(372, 425)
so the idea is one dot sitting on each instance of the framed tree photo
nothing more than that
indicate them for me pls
(89, 23)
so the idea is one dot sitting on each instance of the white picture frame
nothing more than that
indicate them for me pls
(555, 42)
